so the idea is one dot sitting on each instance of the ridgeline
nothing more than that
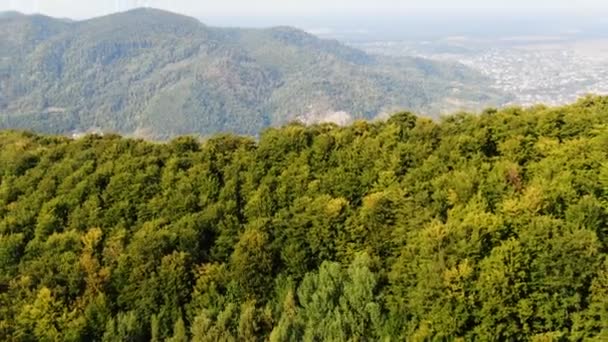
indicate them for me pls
(154, 74)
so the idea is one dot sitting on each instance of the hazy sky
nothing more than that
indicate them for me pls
(88, 8)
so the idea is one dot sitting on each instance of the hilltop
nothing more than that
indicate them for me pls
(157, 74)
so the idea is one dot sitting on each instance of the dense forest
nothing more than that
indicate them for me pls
(155, 74)
(489, 227)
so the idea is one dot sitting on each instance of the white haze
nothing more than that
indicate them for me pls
(203, 8)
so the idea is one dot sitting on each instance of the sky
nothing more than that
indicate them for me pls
(79, 9)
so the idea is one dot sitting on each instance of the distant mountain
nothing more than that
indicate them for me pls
(157, 74)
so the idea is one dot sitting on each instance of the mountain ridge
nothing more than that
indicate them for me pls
(158, 74)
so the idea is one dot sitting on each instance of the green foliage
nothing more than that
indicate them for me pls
(179, 332)
(488, 227)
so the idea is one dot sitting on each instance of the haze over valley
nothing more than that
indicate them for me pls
(545, 58)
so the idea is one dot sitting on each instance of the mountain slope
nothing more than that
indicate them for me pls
(488, 227)
(158, 74)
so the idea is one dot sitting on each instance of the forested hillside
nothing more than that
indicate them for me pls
(156, 74)
(488, 227)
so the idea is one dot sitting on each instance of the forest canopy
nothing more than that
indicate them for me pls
(472, 227)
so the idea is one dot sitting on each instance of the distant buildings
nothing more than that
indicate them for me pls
(550, 76)
(532, 73)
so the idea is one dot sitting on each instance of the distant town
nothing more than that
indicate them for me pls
(550, 72)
